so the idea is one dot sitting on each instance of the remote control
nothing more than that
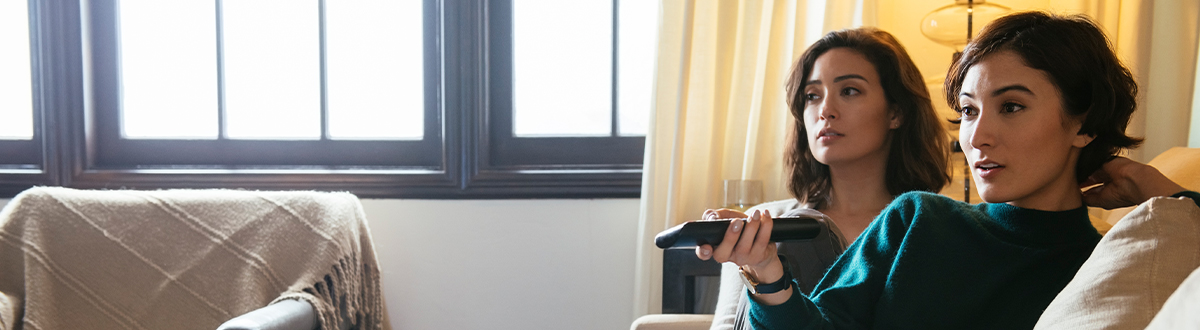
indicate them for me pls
(711, 232)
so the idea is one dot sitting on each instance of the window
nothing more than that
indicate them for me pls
(21, 146)
(408, 99)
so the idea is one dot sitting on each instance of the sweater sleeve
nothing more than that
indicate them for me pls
(845, 298)
(1189, 194)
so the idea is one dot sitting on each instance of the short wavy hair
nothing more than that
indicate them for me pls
(1078, 58)
(920, 147)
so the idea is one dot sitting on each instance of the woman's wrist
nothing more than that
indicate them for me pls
(770, 272)
(1158, 185)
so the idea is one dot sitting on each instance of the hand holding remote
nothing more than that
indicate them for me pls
(748, 245)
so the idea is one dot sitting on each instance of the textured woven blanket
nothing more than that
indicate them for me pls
(183, 259)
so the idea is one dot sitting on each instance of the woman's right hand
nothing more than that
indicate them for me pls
(704, 251)
(748, 245)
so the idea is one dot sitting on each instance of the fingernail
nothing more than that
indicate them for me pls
(705, 252)
(737, 225)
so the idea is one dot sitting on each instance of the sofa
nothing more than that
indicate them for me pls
(1142, 275)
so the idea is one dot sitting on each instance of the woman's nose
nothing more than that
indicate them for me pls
(828, 111)
(980, 132)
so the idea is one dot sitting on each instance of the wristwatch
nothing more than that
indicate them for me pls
(756, 288)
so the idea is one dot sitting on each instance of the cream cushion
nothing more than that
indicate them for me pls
(1180, 310)
(1133, 270)
(672, 322)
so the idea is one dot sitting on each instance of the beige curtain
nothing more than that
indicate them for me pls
(719, 110)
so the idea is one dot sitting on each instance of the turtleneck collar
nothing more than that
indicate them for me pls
(1036, 227)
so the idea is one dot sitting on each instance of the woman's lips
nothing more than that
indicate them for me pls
(987, 169)
(829, 135)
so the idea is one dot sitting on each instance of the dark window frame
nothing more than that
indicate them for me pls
(76, 110)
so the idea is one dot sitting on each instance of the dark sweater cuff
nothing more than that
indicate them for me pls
(1195, 196)
(782, 316)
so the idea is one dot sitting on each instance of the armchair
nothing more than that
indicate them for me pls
(284, 315)
(187, 259)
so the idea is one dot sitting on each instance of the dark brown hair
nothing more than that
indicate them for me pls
(920, 147)
(1079, 60)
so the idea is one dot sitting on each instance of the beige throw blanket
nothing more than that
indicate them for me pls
(182, 259)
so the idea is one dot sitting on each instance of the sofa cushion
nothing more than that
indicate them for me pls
(1133, 269)
(1180, 310)
(672, 322)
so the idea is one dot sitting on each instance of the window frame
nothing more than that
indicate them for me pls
(505, 160)
(113, 151)
(78, 111)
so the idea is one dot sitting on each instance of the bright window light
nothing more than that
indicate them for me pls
(562, 68)
(375, 85)
(637, 44)
(272, 69)
(168, 69)
(16, 84)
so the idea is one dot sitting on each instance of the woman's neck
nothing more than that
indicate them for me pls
(859, 192)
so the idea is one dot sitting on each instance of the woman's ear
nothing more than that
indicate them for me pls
(1082, 140)
(897, 119)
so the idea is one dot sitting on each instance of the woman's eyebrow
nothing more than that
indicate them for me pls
(1016, 87)
(849, 76)
(839, 78)
(1002, 90)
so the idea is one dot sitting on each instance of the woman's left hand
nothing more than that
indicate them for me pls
(1124, 182)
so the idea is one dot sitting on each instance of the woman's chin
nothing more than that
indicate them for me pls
(992, 195)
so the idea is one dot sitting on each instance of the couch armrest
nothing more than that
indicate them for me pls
(673, 322)
(283, 315)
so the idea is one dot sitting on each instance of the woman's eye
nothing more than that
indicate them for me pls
(811, 97)
(848, 91)
(1012, 107)
(968, 111)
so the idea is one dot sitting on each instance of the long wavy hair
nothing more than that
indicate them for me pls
(919, 149)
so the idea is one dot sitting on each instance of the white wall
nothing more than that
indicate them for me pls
(505, 264)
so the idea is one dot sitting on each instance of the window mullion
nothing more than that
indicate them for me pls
(324, 71)
(614, 121)
(222, 131)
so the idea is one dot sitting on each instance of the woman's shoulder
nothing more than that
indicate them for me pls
(922, 204)
(926, 199)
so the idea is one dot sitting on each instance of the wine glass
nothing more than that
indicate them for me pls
(742, 194)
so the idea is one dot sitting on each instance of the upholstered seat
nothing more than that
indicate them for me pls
(186, 259)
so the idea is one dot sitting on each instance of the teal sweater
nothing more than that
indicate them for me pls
(929, 262)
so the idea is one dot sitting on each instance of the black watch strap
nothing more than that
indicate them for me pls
(781, 284)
